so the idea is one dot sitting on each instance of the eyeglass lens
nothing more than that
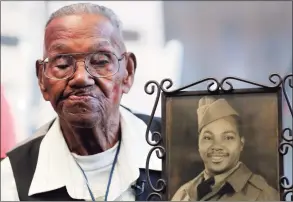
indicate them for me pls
(97, 64)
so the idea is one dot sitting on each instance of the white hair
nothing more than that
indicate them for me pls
(88, 8)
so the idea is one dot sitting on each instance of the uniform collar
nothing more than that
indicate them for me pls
(235, 182)
(191, 191)
(56, 167)
(239, 177)
(221, 177)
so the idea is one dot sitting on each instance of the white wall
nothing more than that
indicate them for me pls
(23, 20)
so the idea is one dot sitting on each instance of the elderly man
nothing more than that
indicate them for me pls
(220, 146)
(94, 150)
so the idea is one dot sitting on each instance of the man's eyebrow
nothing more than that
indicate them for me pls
(60, 47)
(101, 44)
(208, 132)
(57, 47)
(229, 131)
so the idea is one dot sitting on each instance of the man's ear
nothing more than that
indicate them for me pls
(130, 69)
(242, 140)
(39, 73)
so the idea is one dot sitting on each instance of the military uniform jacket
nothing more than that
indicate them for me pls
(241, 185)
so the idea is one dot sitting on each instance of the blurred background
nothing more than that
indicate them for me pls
(184, 41)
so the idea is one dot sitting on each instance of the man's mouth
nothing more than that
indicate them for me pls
(80, 97)
(217, 158)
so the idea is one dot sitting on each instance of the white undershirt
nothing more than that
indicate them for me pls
(97, 169)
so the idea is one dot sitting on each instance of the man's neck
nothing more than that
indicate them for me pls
(89, 141)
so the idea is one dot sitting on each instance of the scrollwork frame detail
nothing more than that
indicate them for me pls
(224, 86)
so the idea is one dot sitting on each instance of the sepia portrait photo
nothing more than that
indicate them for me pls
(222, 147)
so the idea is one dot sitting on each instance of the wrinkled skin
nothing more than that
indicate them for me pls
(88, 107)
(220, 145)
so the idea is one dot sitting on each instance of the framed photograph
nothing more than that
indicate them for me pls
(233, 137)
(223, 144)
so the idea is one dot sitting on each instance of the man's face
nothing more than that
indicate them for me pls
(83, 100)
(220, 145)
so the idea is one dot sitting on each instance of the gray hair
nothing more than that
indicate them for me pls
(88, 8)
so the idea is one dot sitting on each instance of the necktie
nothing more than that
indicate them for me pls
(205, 187)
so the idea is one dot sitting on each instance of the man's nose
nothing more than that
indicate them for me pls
(217, 145)
(216, 148)
(81, 77)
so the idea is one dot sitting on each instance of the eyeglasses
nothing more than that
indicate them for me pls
(97, 64)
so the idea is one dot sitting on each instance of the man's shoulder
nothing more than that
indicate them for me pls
(259, 182)
(267, 191)
(36, 137)
(189, 183)
(255, 180)
(183, 192)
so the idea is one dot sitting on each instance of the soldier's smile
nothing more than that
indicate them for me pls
(217, 159)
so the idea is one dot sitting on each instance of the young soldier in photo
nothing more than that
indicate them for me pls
(220, 146)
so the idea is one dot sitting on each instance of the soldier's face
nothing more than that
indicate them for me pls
(220, 145)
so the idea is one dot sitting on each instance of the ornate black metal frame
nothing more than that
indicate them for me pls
(224, 87)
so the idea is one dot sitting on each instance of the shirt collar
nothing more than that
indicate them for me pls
(56, 165)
